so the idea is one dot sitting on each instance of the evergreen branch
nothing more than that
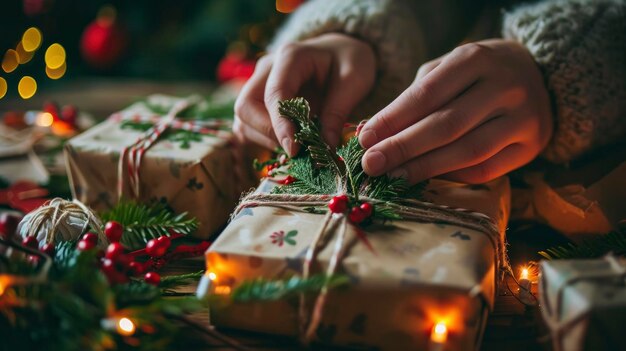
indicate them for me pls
(173, 281)
(298, 111)
(614, 242)
(270, 290)
(352, 153)
(309, 179)
(143, 223)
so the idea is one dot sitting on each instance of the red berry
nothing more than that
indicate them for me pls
(357, 215)
(367, 209)
(275, 165)
(48, 249)
(31, 242)
(288, 180)
(136, 268)
(85, 245)
(52, 108)
(33, 260)
(338, 204)
(109, 269)
(107, 265)
(113, 230)
(154, 249)
(114, 250)
(270, 167)
(8, 224)
(91, 237)
(164, 241)
(152, 278)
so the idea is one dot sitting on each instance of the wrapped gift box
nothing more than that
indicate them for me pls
(197, 171)
(584, 303)
(417, 274)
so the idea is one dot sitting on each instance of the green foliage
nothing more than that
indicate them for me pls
(143, 223)
(614, 242)
(309, 179)
(270, 290)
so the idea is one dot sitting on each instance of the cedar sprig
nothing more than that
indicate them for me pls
(309, 180)
(614, 242)
(143, 223)
(270, 290)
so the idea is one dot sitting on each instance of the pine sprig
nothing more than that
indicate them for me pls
(143, 223)
(351, 154)
(270, 290)
(310, 180)
(614, 242)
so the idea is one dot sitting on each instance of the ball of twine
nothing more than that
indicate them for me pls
(61, 220)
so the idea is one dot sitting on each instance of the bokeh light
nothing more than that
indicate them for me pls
(125, 326)
(10, 61)
(23, 55)
(27, 87)
(55, 56)
(44, 119)
(3, 87)
(56, 73)
(31, 40)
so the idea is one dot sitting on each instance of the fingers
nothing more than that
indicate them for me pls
(456, 72)
(510, 158)
(295, 65)
(428, 67)
(440, 128)
(246, 133)
(473, 148)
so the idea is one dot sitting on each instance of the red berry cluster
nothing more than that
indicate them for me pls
(67, 114)
(358, 212)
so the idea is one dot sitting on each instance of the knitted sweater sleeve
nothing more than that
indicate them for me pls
(580, 46)
(388, 26)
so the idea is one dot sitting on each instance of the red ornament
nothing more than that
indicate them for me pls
(48, 249)
(31, 242)
(113, 231)
(91, 237)
(338, 204)
(85, 245)
(114, 250)
(155, 249)
(8, 225)
(367, 209)
(103, 41)
(235, 66)
(357, 215)
(24, 196)
(152, 278)
(136, 268)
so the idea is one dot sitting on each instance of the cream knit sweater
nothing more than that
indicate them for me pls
(580, 46)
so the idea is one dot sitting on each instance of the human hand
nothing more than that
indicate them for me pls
(470, 116)
(334, 71)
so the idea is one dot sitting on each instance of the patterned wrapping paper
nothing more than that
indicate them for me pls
(583, 303)
(420, 273)
(194, 173)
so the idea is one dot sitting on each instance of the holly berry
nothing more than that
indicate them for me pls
(367, 209)
(152, 278)
(155, 248)
(52, 108)
(31, 242)
(357, 215)
(288, 180)
(109, 268)
(338, 204)
(136, 268)
(8, 224)
(113, 231)
(48, 249)
(91, 237)
(85, 245)
(114, 250)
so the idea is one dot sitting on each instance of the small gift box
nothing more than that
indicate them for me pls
(583, 303)
(189, 165)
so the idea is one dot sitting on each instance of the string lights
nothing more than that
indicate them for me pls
(438, 336)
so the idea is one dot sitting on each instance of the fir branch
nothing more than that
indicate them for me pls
(614, 242)
(270, 290)
(173, 281)
(298, 111)
(309, 179)
(352, 154)
(143, 223)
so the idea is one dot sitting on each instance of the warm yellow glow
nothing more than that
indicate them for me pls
(31, 39)
(44, 119)
(222, 290)
(23, 55)
(212, 276)
(125, 326)
(439, 333)
(3, 87)
(4, 282)
(55, 56)
(27, 87)
(10, 61)
(524, 274)
(56, 73)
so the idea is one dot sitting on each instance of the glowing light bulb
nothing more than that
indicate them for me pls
(125, 326)
(439, 334)
(524, 274)
(222, 290)
(44, 119)
(212, 276)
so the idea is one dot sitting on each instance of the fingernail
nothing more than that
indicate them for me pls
(374, 162)
(399, 173)
(286, 144)
(368, 138)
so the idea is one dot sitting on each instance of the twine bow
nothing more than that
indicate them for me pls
(407, 209)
